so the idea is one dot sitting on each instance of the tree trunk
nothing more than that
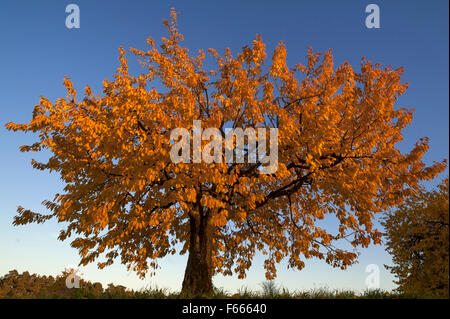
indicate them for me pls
(198, 275)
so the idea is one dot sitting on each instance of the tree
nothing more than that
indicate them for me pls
(124, 196)
(24, 285)
(417, 238)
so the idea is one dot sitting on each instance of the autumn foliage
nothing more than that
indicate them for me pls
(418, 239)
(26, 286)
(124, 198)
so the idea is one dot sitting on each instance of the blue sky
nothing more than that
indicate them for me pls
(37, 51)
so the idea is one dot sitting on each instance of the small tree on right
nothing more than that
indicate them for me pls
(418, 240)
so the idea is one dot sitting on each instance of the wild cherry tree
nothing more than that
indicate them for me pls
(125, 198)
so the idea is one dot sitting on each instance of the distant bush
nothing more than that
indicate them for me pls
(24, 285)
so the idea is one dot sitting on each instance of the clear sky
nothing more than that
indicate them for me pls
(37, 51)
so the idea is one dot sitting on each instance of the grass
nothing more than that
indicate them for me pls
(269, 290)
(15, 285)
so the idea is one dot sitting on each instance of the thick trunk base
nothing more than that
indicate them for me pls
(198, 275)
